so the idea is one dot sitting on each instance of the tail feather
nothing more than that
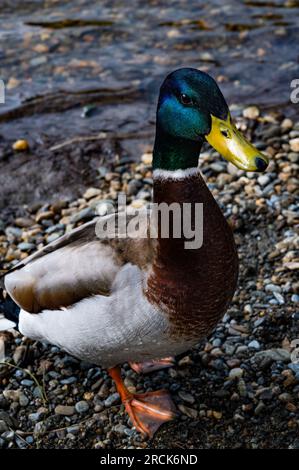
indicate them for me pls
(10, 312)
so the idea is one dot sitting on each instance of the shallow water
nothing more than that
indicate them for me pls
(97, 47)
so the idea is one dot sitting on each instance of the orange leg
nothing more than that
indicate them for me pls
(146, 410)
(152, 365)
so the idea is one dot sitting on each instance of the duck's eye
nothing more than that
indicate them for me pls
(225, 133)
(185, 99)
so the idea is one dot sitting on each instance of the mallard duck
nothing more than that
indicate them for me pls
(145, 300)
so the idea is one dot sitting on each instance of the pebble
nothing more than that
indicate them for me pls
(251, 112)
(26, 246)
(112, 400)
(147, 158)
(186, 410)
(277, 354)
(235, 373)
(272, 288)
(8, 435)
(21, 145)
(259, 408)
(91, 193)
(187, 397)
(286, 124)
(279, 297)
(82, 407)
(11, 395)
(122, 430)
(23, 400)
(263, 180)
(294, 144)
(68, 381)
(285, 397)
(3, 426)
(84, 214)
(27, 383)
(254, 344)
(65, 410)
(35, 417)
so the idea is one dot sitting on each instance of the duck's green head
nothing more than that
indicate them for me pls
(192, 109)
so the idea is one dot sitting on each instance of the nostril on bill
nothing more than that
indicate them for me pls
(261, 164)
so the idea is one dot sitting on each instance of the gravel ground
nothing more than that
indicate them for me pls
(240, 387)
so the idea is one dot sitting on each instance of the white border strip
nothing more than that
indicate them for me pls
(175, 174)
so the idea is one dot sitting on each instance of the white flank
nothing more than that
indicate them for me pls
(175, 174)
(6, 324)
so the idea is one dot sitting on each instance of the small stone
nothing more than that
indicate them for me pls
(217, 414)
(82, 407)
(185, 361)
(40, 428)
(254, 344)
(68, 381)
(138, 203)
(11, 395)
(112, 400)
(84, 214)
(26, 246)
(103, 391)
(73, 429)
(277, 354)
(235, 373)
(286, 124)
(24, 222)
(19, 353)
(217, 167)
(3, 426)
(35, 417)
(12, 83)
(45, 215)
(295, 298)
(294, 144)
(252, 112)
(27, 383)
(263, 180)
(21, 145)
(272, 288)
(248, 309)
(23, 400)
(285, 397)
(187, 397)
(292, 265)
(91, 192)
(279, 298)
(293, 157)
(147, 159)
(8, 436)
(121, 429)
(259, 408)
(186, 410)
(65, 410)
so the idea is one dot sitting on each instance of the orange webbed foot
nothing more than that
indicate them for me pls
(147, 367)
(147, 411)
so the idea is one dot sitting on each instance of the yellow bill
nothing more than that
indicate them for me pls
(232, 145)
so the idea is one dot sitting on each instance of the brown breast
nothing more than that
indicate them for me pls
(193, 286)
